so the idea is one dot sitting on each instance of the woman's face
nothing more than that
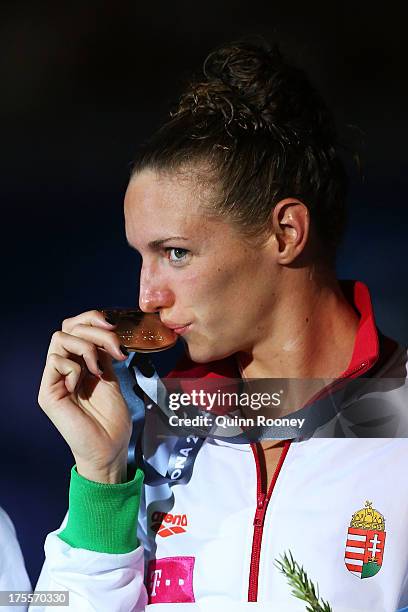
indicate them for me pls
(197, 270)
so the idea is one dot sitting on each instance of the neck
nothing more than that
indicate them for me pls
(310, 333)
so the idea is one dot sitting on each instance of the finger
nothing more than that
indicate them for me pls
(60, 379)
(67, 345)
(102, 338)
(93, 318)
(58, 370)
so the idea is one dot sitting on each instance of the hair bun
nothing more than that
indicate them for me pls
(245, 69)
(253, 88)
(235, 87)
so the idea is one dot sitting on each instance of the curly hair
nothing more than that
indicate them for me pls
(264, 134)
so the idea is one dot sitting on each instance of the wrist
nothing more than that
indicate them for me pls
(115, 473)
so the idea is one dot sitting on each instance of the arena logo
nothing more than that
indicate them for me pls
(166, 524)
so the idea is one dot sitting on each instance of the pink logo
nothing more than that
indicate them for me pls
(170, 580)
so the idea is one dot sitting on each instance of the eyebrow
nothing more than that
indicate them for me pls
(156, 244)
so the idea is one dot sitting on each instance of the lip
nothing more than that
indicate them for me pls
(178, 328)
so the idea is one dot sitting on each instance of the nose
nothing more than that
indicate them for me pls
(154, 294)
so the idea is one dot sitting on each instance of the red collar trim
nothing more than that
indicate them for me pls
(366, 345)
(365, 353)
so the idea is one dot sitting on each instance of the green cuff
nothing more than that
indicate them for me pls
(103, 517)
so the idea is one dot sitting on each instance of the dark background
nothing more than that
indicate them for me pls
(81, 85)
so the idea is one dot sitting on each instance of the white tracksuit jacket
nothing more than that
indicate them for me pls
(13, 574)
(339, 505)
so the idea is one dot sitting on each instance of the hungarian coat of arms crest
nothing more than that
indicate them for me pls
(365, 542)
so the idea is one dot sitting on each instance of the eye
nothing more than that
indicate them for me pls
(177, 255)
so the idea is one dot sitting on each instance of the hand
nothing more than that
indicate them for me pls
(80, 393)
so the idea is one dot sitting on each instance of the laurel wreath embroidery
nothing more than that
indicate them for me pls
(302, 587)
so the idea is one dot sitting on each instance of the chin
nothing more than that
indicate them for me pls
(205, 353)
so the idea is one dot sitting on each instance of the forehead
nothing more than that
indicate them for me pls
(165, 203)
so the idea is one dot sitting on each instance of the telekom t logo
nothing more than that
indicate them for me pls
(170, 580)
(155, 581)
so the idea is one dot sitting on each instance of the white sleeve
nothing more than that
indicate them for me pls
(96, 581)
(13, 574)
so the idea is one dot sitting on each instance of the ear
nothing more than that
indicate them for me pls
(291, 227)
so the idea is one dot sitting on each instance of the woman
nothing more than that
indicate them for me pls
(237, 207)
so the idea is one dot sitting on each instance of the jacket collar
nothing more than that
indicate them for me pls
(366, 345)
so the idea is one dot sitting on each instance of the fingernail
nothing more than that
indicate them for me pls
(124, 350)
(98, 363)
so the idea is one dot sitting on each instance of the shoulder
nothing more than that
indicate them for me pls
(394, 362)
(6, 525)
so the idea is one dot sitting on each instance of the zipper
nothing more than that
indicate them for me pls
(263, 498)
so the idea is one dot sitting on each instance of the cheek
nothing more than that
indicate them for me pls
(200, 288)
(230, 287)
(220, 287)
